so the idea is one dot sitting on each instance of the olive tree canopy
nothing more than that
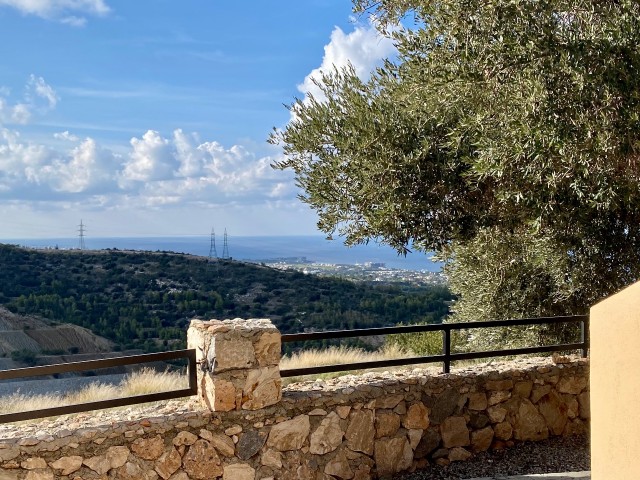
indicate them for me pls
(505, 136)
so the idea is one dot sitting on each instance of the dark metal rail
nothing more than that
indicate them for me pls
(446, 357)
(190, 355)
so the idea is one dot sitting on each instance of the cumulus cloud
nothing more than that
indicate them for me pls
(151, 158)
(66, 11)
(39, 97)
(364, 49)
(154, 171)
(85, 168)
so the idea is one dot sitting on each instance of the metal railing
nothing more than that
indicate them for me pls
(446, 357)
(190, 355)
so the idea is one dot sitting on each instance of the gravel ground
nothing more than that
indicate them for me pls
(557, 454)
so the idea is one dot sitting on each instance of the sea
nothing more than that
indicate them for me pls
(312, 248)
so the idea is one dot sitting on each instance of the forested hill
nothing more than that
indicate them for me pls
(146, 299)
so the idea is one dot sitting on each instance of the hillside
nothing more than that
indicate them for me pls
(146, 299)
(19, 333)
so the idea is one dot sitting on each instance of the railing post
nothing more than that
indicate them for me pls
(446, 337)
(238, 363)
(584, 336)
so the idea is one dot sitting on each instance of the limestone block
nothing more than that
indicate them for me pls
(271, 458)
(389, 401)
(67, 465)
(387, 423)
(414, 437)
(523, 389)
(496, 385)
(539, 392)
(168, 463)
(263, 387)
(221, 443)
(454, 432)
(328, 436)
(117, 456)
(34, 463)
(339, 467)
(573, 385)
(218, 394)
(9, 475)
(459, 454)
(98, 464)
(530, 424)
(496, 414)
(184, 438)
(417, 417)
(148, 448)
(196, 336)
(130, 471)
(481, 439)
(498, 396)
(478, 401)
(202, 461)
(238, 471)
(267, 349)
(289, 435)
(39, 475)
(361, 432)
(230, 354)
(554, 411)
(392, 455)
(503, 431)
(430, 440)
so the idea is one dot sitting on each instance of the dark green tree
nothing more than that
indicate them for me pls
(504, 136)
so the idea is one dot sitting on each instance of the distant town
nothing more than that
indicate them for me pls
(365, 272)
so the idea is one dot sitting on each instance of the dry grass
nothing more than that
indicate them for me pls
(141, 382)
(336, 355)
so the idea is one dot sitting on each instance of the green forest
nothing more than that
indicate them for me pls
(145, 300)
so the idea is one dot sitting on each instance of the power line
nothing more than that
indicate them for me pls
(225, 247)
(213, 254)
(81, 230)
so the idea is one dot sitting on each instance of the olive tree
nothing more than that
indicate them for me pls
(504, 136)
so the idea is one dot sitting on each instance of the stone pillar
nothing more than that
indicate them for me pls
(238, 363)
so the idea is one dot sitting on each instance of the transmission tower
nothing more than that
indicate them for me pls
(212, 249)
(81, 230)
(225, 247)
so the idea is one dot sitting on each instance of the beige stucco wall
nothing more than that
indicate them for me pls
(615, 386)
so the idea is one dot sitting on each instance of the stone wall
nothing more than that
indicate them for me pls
(354, 427)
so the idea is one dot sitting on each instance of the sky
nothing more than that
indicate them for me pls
(150, 117)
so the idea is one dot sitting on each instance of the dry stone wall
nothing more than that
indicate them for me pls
(354, 427)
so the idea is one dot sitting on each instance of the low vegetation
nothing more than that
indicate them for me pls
(145, 300)
(141, 382)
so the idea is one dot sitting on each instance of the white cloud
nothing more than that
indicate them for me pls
(36, 90)
(85, 168)
(61, 10)
(35, 172)
(364, 49)
(151, 159)
(66, 136)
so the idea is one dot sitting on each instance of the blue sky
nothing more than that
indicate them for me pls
(151, 117)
